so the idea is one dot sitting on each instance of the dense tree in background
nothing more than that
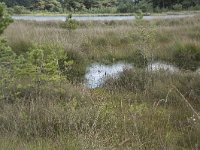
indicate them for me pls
(125, 6)
(49, 5)
(170, 3)
(91, 3)
(72, 5)
(122, 6)
(11, 3)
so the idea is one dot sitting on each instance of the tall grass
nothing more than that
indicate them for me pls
(109, 40)
(136, 111)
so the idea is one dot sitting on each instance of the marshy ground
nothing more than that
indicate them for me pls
(139, 109)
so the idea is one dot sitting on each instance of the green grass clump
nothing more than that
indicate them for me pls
(139, 59)
(70, 24)
(131, 80)
(6, 53)
(187, 56)
(77, 69)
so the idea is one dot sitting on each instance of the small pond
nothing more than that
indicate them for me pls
(98, 73)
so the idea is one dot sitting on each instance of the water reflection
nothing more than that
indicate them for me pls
(157, 66)
(98, 73)
(198, 71)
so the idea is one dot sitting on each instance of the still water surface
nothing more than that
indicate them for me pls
(96, 74)
(95, 18)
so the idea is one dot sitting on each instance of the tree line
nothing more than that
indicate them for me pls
(122, 6)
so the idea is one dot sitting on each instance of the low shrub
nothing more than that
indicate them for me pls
(139, 15)
(129, 80)
(6, 54)
(70, 23)
(21, 46)
(187, 56)
(139, 59)
(76, 71)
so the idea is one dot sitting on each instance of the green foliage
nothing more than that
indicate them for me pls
(49, 5)
(7, 56)
(126, 6)
(187, 56)
(145, 6)
(101, 10)
(5, 19)
(22, 46)
(76, 71)
(43, 62)
(104, 6)
(20, 10)
(139, 59)
(70, 23)
(177, 7)
(7, 65)
(145, 36)
(39, 63)
(139, 15)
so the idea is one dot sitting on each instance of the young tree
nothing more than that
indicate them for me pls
(6, 54)
(5, 19)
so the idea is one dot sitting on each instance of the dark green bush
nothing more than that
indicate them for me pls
(145, 6)
(21, 46)
(76, 71)
(70, 24)
(139, 15)
(187, 56)
(125, 7)
(6, 54)
(139, 59)
(129, 80)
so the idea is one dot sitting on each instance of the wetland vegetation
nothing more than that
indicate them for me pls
(44, 103)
